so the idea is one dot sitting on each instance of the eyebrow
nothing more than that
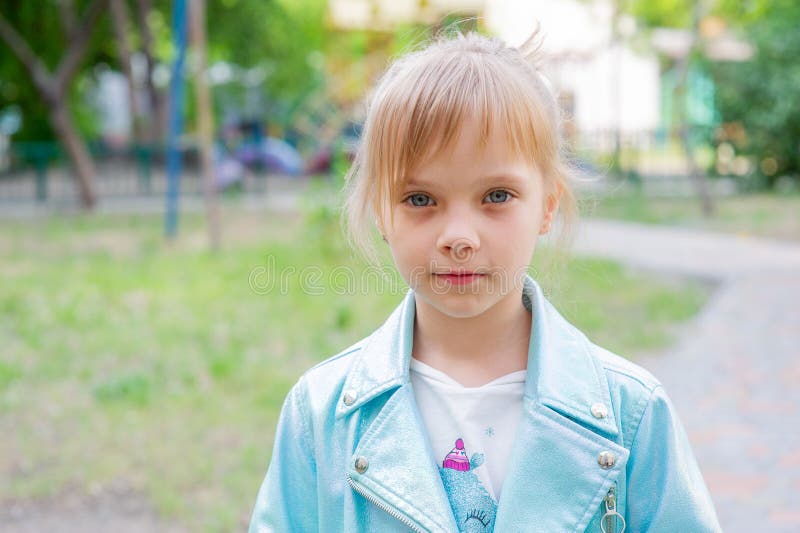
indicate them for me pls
(413, 181)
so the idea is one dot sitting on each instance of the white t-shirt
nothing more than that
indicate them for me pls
(471, 431)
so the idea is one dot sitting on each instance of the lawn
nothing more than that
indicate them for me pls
(759, 214)
(164, 366)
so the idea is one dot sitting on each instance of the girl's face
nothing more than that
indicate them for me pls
(466, 228)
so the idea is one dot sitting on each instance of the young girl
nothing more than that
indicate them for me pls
(475, 406)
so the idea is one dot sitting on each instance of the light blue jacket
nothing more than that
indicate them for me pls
(351, 453)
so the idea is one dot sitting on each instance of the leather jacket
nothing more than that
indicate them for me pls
(597, 435)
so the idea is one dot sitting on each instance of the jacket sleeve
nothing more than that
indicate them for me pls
(287, 500)
(666, 492)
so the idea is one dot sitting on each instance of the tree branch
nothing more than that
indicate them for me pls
(77, 47)
(67, 12)
(38, 71)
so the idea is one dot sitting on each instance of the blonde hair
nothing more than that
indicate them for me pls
(422, 101)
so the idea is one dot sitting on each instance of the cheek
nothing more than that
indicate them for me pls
(409, 249)
(410, 235)
(518, 224)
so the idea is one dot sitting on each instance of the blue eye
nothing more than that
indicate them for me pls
(498, 197)
(420, 200)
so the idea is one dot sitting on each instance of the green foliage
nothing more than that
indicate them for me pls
(278, 36)
(739, 12)
(41, 25)
(760, 99)
(660, 13)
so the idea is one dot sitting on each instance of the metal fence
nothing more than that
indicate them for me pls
(39, 173)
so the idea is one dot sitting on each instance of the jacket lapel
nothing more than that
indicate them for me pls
(554, 481)
(400, 477)
(401, 473)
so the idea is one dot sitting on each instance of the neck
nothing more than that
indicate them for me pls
(474, 350)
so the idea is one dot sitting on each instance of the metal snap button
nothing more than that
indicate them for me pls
(599, 410)
(350, 397)
(606, 460)
(361, 464)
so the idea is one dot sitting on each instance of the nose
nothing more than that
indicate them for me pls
(458, 238)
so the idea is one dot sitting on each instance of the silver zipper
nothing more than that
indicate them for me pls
(611, 515)
(382, 506)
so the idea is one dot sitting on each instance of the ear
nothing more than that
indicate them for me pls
(550, 208)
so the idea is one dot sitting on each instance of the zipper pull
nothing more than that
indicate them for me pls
(611, 515)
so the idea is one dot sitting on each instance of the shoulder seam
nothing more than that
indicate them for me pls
(335, 357)
(648, 402)
(301, 392)
(649, 384)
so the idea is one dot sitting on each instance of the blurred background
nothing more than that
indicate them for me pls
(170, 176)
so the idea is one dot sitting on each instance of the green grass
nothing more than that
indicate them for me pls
(626, 313)
(766, 214)
(127, 359)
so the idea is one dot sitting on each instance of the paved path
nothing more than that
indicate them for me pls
(713, 256)
(735, 376)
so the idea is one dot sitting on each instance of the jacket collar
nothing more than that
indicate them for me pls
(562, 372)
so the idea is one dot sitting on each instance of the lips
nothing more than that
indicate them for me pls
(459, 278)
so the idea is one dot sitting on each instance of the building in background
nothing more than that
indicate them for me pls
(603, 84)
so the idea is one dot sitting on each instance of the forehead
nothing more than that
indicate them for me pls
(472, 152)
(462, 107)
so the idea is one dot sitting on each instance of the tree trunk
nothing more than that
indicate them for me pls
(76, 149)
(119, 18)
(205, 126)
(157, 117)
(54, 87)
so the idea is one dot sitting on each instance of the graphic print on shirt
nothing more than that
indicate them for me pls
(473, 507)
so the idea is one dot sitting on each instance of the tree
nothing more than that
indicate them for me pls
(121, 22)
(57, 42)
(279, 37)
(759, 99)
(156, 118)
(53, 85)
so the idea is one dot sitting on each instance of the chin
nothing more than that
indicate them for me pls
(458, 305)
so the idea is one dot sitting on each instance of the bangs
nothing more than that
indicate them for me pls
(430, 100)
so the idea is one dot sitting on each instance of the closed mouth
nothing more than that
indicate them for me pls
(459, 273)
(458, 278)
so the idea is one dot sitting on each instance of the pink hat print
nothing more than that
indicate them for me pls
(457, 458)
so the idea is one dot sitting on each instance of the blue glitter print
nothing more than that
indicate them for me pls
(473, 507)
